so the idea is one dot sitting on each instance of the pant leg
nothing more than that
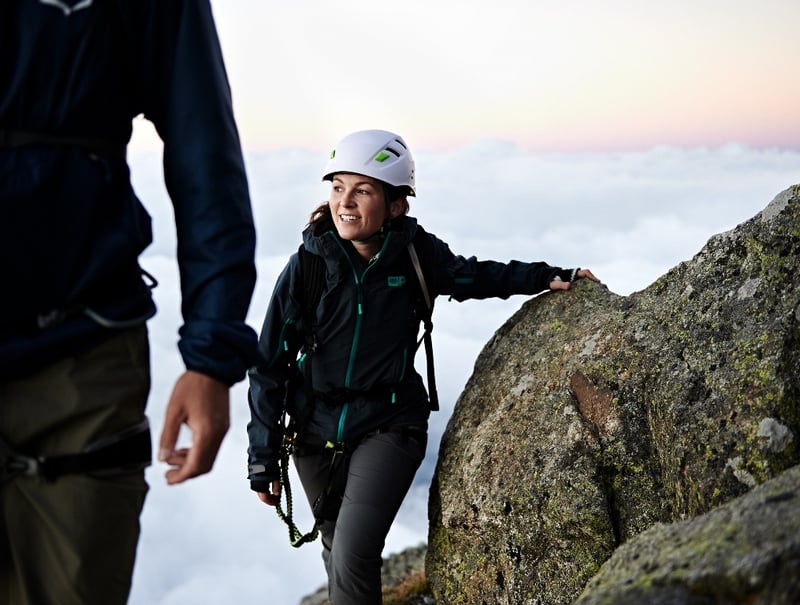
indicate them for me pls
(379, 476)
(314, 471)
(73, 541)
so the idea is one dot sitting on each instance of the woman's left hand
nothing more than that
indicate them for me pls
(586, 274)
(274, 497)
(558, 284)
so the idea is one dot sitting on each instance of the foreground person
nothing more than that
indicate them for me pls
(74, 357)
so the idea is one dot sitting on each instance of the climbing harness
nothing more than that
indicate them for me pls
(326, 506)
(126, 451)
(296, 537)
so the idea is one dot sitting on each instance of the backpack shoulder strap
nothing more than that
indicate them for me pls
(426, 314)
(312, 268)
(312, 271)
(412, 252)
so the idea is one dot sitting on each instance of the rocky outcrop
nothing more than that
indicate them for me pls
(591, 417)
(746, 551)
(402, 577)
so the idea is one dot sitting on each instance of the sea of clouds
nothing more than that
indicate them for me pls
(630, 217)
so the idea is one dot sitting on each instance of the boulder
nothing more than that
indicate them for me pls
(591, 417)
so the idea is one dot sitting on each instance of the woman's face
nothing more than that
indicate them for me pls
(357, 206)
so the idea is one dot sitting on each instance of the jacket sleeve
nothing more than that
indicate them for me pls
(185, 93)
(278, 345)
(468, 278)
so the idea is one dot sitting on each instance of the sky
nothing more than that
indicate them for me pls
(550, 76)
(603, 135)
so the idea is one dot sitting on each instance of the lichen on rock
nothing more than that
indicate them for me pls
(591, 417)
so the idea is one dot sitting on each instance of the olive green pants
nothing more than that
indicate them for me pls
(72, 541)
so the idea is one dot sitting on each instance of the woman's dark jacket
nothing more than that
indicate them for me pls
(366, 330)
(72, 77)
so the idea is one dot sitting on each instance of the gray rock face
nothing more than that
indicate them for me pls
(592, 417)
(746, 551)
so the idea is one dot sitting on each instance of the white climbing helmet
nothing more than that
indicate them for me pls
(379, 154)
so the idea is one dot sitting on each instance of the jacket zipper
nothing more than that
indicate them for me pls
(356, 333)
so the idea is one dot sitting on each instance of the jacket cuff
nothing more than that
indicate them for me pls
(567, 275)
(263, 474)
(223, 351)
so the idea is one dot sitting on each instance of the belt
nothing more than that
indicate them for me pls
(310, 445)
(126, 451)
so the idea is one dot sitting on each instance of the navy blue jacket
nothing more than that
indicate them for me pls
(71, 80)
(366, 331)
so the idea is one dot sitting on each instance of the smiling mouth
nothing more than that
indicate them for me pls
(348, 218)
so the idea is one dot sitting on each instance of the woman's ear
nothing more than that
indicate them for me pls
(397, 207)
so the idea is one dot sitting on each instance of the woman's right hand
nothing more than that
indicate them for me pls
(274, 497)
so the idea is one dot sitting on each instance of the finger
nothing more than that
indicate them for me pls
(185, 467)
(185, 462)
(557, 284)
(169, 433)
(268, 499)
(180, 471)
(176, 458)
(587, 273)
(200, 457)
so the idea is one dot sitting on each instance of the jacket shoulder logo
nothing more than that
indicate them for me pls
(67, 7)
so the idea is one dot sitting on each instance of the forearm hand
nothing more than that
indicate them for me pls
(474, 279)
(202, 403)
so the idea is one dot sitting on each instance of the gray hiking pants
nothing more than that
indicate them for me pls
(379, 475)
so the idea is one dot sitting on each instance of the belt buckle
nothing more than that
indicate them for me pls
(14, 466)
